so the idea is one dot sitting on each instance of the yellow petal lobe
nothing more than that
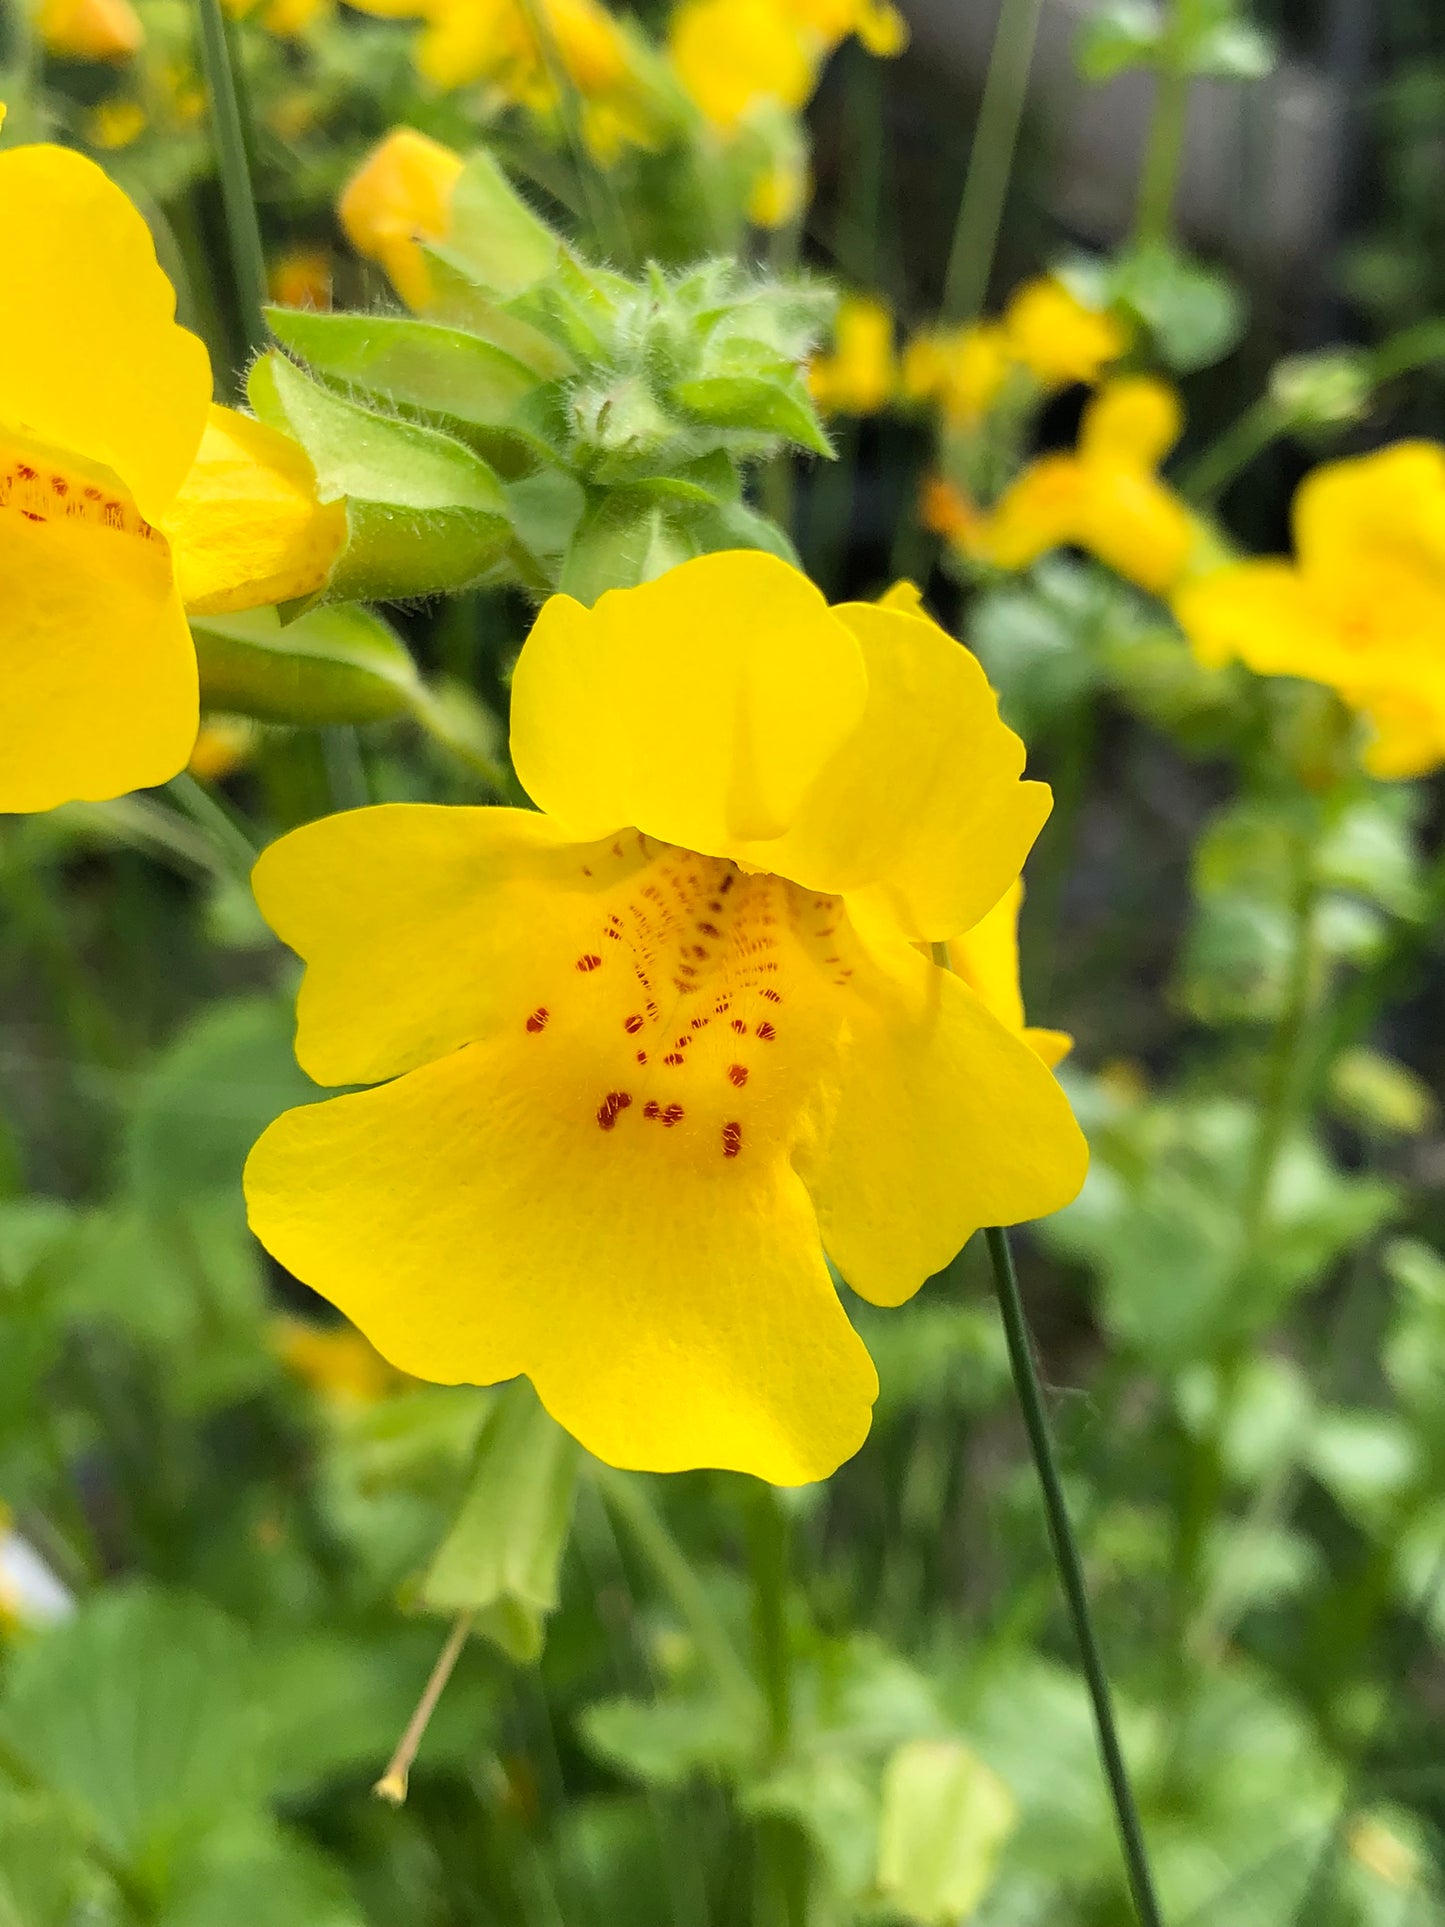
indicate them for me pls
(246, 528)
(398, 197)
(91, 358)
(699, 707)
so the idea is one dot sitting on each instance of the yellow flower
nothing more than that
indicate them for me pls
(400, 196)
(223, 745)
(1106, 497)
(987, 959)
(90, 29)
(881, 28)
(1060, 341)
(860, 374)
(301, 278)
(778, 194)
(734, 56)
(122, 491)
(115, 124)
(336, 1362)
(1361, 609)
(285, 18)
(961, 369)
(653, 1048)
(1044, 331)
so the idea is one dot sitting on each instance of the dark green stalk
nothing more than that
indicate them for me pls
(990, 161)
(243, 231)
(1071, 1577)
(1215, 467)
(1164, 150)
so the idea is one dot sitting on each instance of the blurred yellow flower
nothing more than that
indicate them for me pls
(640, 1055)
(335, 1361)
(987, 959)
(1106, 497)
(223, 745)
(1044, 330)
(1362, 607)
(779, 193)
(962, 370)
(1060, 341)
(90, 29)
(301, 278)
(734, 57)
(400, 196)
(122, 491)
(860, 374)
(115, 124)
(285, 18)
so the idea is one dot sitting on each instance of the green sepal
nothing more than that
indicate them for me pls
(502, 1556)
(424, 513)
(495, 237)
(341, 665)
(778, 402)
(631, 535)
(467, 386)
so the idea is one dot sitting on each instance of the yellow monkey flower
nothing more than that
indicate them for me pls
(1362, 607)
(640, 1057)
(90, 29)
(987, 959)
(859, 374)
(1106, 497)
(124, 495)
(400, 196)
(1050, 332)
(1044, 330)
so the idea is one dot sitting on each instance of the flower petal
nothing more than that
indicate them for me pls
(923, 800)
(417, 922)
(100, 675)
(91, 358)
(672, 1312)
(699, 707)
(1134, 420)
(945, 1122)
(1263, 614)
(1380, 515)
(247, 527)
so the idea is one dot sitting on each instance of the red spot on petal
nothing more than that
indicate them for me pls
(738, 1074)
(652, 1108)
(708, 930)
(766, 1032)
(740, 1027)
(772, 996)
(538, 1019)
(611, 1105)
(674, 1057)
(589, 962)
(674, 1114)
(633, 1024)
(732, 1137)
(642, 1057)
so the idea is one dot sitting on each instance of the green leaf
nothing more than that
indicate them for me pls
(45, 1878)
(1194, 314)
(945, 1819)
(502, 1555)
(337, 665)
(623, 539)
(252, 1873)
(667, 1742)
(1367, 1460)
(424, 513)
(1121, 35)
(136, 1713)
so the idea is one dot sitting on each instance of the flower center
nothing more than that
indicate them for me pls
(689, 1004)
(43, 485)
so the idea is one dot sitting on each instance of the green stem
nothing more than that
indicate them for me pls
(1071, 1577)
(1164, 149)
(243, 230)
(782, 1857)
(627, 1498)
(990, 161)
(231, 843)
(604, 204)
(1215, 467)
